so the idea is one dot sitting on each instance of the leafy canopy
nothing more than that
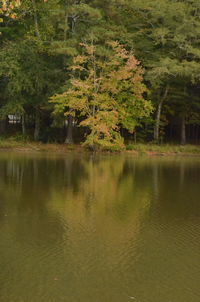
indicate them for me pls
(106, 92)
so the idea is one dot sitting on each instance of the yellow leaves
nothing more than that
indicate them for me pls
(122, 74)
(77, 67)
(102, 123)
(58, 98)
(78, 84)
(13, 16)
(132, 63)
(109, 85)
(80, 105)
(120, 51)
(4, 7)
(7, 7)
(78, 63)
(90, 49)
(79, 59)
(17, 3)
(107, 91)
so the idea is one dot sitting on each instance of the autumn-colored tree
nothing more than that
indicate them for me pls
(107, 92)
(7, 7)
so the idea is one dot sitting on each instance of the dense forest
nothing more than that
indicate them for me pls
(101, 72)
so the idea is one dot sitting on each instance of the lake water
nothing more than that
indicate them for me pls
(89, 228)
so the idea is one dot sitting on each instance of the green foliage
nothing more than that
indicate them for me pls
(39, 49)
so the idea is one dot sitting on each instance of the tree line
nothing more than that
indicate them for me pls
(101, 72)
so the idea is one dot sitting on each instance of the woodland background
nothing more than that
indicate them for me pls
(102, 72)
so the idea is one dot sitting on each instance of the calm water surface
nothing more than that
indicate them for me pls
(99, 228)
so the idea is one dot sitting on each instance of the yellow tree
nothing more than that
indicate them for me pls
(7, 7)
(107, 92)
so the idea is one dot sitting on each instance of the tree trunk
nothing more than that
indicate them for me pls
(183, 131)
(135, 137)
(23, 125)
(158, 114)
(69, 138)
(3, 124)
(37, 32)
(37, 125)
(157, 125)
(171, 131)
(197, 134)
(189, 133)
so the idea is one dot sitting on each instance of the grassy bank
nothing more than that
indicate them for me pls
(137, 149)
(25, 145)
(165, 149)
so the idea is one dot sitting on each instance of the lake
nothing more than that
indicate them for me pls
(99, 228)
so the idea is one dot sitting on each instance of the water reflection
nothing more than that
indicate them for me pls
(99, 228)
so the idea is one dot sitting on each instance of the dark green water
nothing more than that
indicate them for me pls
(99, 229)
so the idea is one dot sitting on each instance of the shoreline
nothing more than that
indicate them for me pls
(133, 149)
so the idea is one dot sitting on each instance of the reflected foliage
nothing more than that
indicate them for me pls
(96, 226)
